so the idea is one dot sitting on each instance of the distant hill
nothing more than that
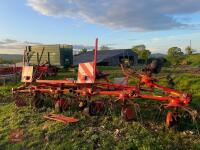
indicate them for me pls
(157, 55)
(11, 57)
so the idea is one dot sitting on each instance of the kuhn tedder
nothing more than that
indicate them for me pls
(92, 83)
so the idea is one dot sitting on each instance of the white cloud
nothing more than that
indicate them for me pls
(141, 15)
(162, 44)
(11, 46)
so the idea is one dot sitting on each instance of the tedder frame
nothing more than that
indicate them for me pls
(91, 82)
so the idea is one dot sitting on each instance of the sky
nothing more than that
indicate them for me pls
(159, 24)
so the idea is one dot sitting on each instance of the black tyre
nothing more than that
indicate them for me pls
(156, 66)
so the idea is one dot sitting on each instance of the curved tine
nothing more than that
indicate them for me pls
(110, 107)
(129, 73)
(193, 113)
(197, 128)
(160, 113)
(138, 112)
(123, 70)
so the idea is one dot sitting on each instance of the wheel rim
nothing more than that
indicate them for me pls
(127, 114)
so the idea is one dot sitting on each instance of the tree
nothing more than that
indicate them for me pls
(175, 55)
(83, 50)
(142, 52)
(189, 50)
(139, 48)
(104, 47)
(174, 52)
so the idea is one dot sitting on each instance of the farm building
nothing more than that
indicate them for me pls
(55, 55)
(107, 57)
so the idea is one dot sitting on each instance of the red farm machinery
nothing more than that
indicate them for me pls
(93, 83)
(12, 73)
(40, 71)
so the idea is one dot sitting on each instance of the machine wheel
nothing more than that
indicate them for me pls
(37, 101)
(96, 108)
(19, 101)
(127, 113)
(156, 66)
(61, 105)
(82, 105)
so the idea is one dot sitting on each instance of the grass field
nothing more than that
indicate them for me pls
(193, 59)
(99, 132)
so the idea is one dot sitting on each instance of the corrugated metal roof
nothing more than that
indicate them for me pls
(101, 55)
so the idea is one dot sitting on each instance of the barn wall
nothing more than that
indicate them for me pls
(54, 54)
(115, 61)
(66, 56)
(135, 60)
(50, 53)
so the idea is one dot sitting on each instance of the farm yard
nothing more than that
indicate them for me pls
(104, 131)
(100, 75)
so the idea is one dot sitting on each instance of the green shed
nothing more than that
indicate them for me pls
(56, 55)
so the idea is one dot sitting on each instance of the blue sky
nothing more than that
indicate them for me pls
(118, 24)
